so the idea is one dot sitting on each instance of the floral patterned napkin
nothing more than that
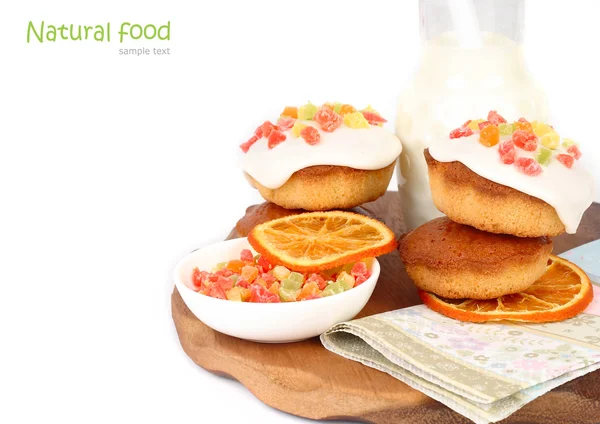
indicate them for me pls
(483, 371)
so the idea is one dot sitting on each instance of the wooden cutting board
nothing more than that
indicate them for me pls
(305, 379)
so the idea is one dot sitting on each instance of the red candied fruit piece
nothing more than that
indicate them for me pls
(528, 166)
(327, 119)
(285, 123)
(216, 291)
(574, 151)
(525, 140)
(507, 151)
(275, 137)
(224, 282)
(260, 294)
(198, 277)
(463, 131)
(495, 118)
(483, 124)
(360, 273)
(316, 278)
(241, 282)
(311, 135)
(373, 118)
(246, 146)
(224, 272)
(265, 129)
(246, 256)
(269, 279)
(566, 160)
(264, 265)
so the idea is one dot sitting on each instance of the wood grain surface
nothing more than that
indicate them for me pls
(306, 380)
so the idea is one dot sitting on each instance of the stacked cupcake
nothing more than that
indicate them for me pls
(506, 188)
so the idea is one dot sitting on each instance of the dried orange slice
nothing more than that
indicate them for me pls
(562, 292)
(317, 241)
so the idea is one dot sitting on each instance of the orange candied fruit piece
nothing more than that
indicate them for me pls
(345, 109)
(489, 136)
(235, 265)
(290, 111)
(524, 124)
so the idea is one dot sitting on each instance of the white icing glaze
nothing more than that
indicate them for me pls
(568, 191)
(364, 148)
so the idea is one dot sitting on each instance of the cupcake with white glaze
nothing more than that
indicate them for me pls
(519, 178)
(321, 158)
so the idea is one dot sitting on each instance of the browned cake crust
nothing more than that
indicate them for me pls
(257, 214)
(470, 199)
(327, 187)
(457, 261)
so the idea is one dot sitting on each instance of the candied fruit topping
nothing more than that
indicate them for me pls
(297, 128)
(540, 129)
(246, 146)
(290, 112)
(316, 278)
(489, 136)
(275, 137)
(261, 294)
(495, 118)
(356, 120)
(567, 142)
(474, 124)
(307, 112)
(550, 140)
(373, 118)
(346, 280)
(525, 140)
(544, 156)
(524, 125)
(249, 273)
(483, 124)
(506, 129)
(285, 123)
(574, 151)
(311, 135)
(461, 132)
(507, 151)
(265, 129)
(309, 291)
(327, 119)
(566, 160)
(345, 109)
(528, 166)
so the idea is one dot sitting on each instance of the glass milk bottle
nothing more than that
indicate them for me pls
(472, 62)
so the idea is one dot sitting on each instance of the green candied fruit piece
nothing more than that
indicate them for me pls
(337, 106)
(544, 156)
(220, 266)
(506, 129)
(234, 278)
(296, 276)
(287, 295)
(290, 284)
(333, 288)
(307, 111)
(346, 280)
(280, 272)
(567, 142)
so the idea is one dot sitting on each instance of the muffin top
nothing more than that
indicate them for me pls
(444, 244)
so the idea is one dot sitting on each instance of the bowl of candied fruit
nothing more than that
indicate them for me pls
(235, 291)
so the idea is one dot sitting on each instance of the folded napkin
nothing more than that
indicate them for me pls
(482, 371)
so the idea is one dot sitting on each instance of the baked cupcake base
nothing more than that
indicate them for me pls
(470, 199)
(460, 262)
(326, 187)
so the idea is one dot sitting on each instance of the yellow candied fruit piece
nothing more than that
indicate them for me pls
(297, 129)
(474, 124)
(550, 140)
(307, 112)
(355, 120)
(369, 108)
(540, 129)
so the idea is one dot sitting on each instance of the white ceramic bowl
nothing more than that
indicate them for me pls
(265, 322)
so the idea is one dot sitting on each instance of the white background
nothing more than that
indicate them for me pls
(112, 168)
